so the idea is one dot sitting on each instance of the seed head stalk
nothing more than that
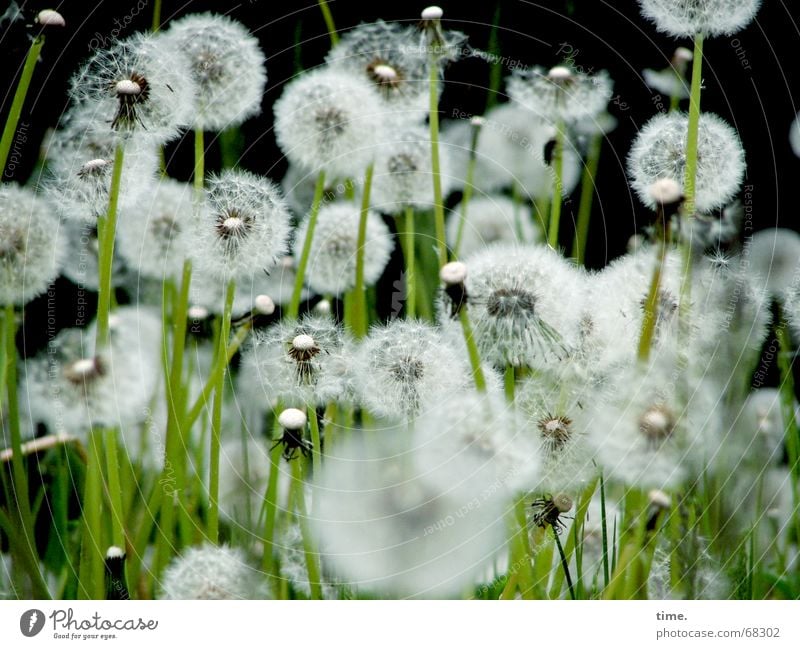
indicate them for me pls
(410, 254)
(438, 205)
(558, 184)
(294, 305)
(468, 186)
(651, 303)
(328, 17)
(17, 103)
(472, 350)
(359, 313)
(588, 182)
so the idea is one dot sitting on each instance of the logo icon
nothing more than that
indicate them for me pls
(31, 622)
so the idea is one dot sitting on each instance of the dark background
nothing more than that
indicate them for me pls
(751, 79)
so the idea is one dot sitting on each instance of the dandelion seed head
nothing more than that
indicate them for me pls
(686, 18)
(560, 94)
(245, 227)
(383, 529)
(518, 315)
(293, 419)
(50, 18)
(264, 305)
(329, 119)
(227, 67)
(659, 151)
(208, 572)
(140, 84)
(403, 363)
(454, 272)
(774, 256)
(31, 244)
(332, 259)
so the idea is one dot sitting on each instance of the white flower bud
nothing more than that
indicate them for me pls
(454, 272)
(128, 87)
(432, 13)
(292, 419)
(264, 305)
(665, 191)
(50, 18)
(683, 54)
(559, 73)
(659, 499)
(303, 342)
(197, 313)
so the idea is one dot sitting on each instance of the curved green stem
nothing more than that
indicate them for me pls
(468, 187)
(311, 555)
(689, 187)
(359, 294)
(651, 303)
(294, 305)
(328, 17)
(21, 92)
(106, 234)
(199, 161)
(114, 489)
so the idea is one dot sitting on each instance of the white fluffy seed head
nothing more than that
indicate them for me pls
(323, 307)
(264, 305)
(774, 256)
(50, 18)
(794, 135)
(31, 244)
(227, 67)
(432, 13)
(659, 499)
(332, 259)
(389, 57)
(209, 572)
(244, 228)
(293, 419)
(139, 85)
(303, 342)
(329, 119)
(686, 18)
(454, 272)
(561, 93)
(197, 312)
(659, 151)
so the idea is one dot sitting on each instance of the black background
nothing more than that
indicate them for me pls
(751, 79)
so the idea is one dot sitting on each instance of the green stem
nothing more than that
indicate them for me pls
(411, 284)
(689, 186)
(106, 234)
(496, 68)
(213, 378)
(216, 417)
(156, 16)
(19, 100)
(359, 294)
(271, 505)
(114, 489)
(294, 305)
(472, 350)
(316, 441)
(19, 472)
(328, 17)
(587, 198)
(651, 303)
(468, 186)
(438, 205)
(788, 402)
(558, 184)
(92, 570)
(311, 556)
(509, 380)
(564, 564)
(199, 161)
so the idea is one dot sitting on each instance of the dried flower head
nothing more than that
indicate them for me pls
(227, 68)
(659, 151)
(332, 260)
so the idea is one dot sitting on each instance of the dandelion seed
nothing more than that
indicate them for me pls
(491, 219)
